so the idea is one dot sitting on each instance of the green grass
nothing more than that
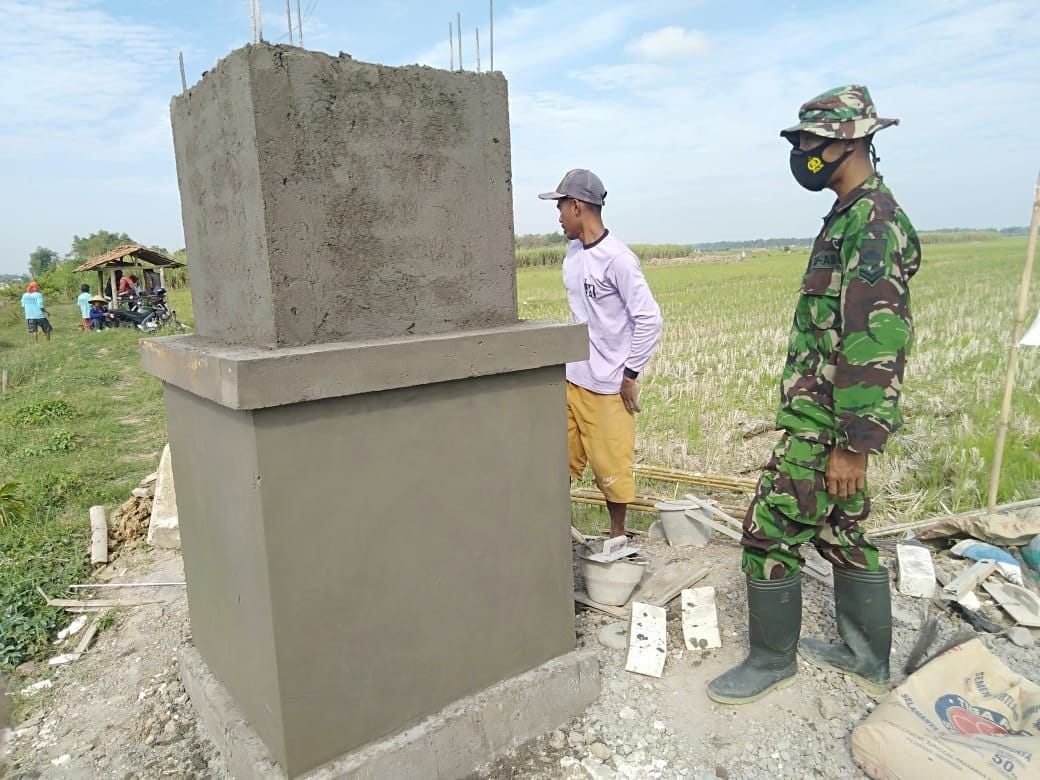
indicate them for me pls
(80, 425)
(723, 348)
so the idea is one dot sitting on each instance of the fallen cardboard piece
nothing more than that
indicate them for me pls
(916, 571)
(1011, 528)
(700, 619)
(647, 640)
(964, 714)
(1023, 605)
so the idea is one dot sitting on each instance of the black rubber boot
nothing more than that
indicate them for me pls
(774, 622)
(863, 610)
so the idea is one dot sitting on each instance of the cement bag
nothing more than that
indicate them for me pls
(965, 714)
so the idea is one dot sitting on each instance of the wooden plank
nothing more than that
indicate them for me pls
(88, 637)
(582, 598)
(647, 640)
(725, 530)
(93, 603)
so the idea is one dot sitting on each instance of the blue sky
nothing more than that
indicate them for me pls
(675, 104)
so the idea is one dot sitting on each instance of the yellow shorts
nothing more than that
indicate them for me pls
(601, 433)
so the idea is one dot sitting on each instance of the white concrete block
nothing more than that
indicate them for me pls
(163, 528)
(648, 640)
(700, 619)
(916, 571)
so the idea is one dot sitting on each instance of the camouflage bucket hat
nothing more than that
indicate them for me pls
(843, 112)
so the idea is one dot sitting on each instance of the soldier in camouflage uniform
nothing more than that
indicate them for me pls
(839, 403)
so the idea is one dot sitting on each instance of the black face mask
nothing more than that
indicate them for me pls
(811, 170)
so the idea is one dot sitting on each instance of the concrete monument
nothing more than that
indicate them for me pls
(369, 446)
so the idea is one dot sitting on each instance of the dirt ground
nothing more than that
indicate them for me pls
(120, 711)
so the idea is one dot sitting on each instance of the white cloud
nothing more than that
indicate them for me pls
(668, 43)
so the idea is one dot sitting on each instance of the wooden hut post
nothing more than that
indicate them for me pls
(100, 282)
(162, 277)
(115, 288)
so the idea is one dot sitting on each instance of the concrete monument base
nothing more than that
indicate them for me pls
(371, 530)
(452, 743)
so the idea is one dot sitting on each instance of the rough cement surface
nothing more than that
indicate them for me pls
(337, 551)
(453, 743)
(163, 527)
(327, 200)
(250, 378)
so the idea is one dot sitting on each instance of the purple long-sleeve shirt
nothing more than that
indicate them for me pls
(606, 289)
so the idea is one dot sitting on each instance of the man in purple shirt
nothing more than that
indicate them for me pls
(606, 290)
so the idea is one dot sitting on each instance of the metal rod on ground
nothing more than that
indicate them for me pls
(491, 25)
(477, 31)
(451, 45)
(1009, 380)
(184, 81)
(92, 585)
(299, 22)
(458, 29)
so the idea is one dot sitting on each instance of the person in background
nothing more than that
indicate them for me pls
(83, 301)
(35, 313)
(606, 290)
(99, 316)
(127, 286)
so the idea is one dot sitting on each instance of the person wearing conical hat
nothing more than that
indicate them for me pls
(839, 404)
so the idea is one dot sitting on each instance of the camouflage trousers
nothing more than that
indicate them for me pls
(792, 506)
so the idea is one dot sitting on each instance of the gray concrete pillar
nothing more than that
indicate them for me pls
(369, 447)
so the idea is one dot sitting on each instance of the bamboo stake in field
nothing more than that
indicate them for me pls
(288, 16)
(477, 31)
(184, 81)
(1009, 380)
(451, 46)
(299, 22)
(491, 25)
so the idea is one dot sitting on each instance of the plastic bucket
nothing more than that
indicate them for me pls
(612, 583)
(680, 530)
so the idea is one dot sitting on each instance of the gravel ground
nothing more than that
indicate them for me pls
(121, 712)
(668, 728)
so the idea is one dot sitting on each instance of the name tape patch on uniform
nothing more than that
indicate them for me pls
(872, 253)
(825, 258)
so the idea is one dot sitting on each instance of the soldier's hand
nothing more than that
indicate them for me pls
(630, 395)
(846, 473)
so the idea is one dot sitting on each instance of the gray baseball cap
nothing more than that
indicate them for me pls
(579, 184)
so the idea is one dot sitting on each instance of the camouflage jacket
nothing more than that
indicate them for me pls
(852, 326)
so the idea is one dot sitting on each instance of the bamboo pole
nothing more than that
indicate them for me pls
(288, 16)
(491, 24)
(451, 45)
(184, 81)
(1009, 380)
(299, 22)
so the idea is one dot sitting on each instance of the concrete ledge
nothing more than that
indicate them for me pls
(252, 378)
(453, 743)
